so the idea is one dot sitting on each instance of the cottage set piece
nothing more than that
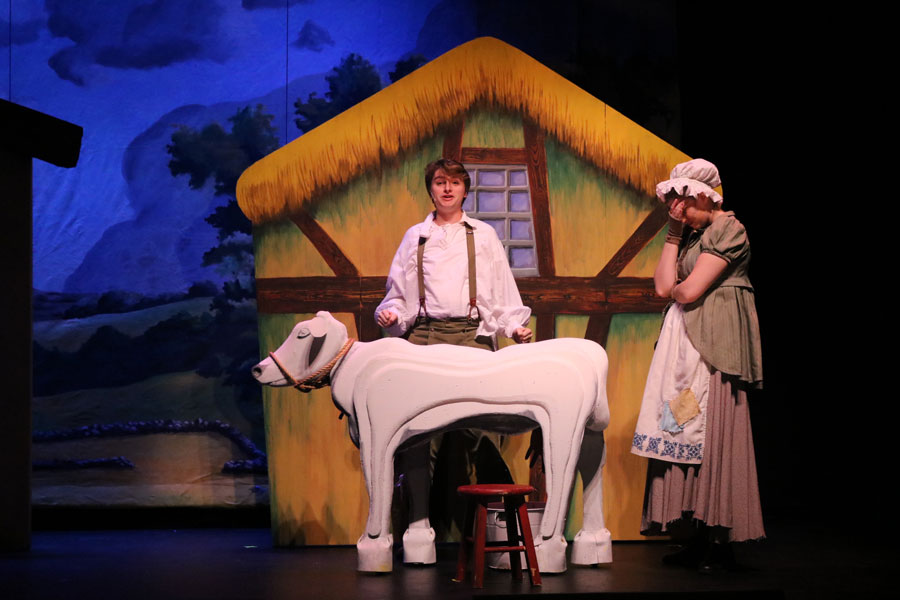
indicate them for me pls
(396, 394)
(576, 181)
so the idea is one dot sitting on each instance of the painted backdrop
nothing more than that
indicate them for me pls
(145, 312)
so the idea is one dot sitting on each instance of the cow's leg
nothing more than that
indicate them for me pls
(560, 437)
(593, 544)
(374, 549)
(418, 540)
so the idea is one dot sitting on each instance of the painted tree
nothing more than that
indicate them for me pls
(405, 66)
(212, 153)
(352, 81)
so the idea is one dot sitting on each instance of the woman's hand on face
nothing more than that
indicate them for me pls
(522, 335)
(386, 318)
(676, 208)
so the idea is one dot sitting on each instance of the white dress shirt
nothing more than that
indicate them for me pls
(446, 268)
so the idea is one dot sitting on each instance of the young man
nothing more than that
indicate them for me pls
(448, 300)
(450, 283)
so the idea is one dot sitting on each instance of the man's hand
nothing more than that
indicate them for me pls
(522, 335)
(535, 453)
(386, 318)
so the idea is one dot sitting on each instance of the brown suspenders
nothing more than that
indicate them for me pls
(470, 250)
(420, 253)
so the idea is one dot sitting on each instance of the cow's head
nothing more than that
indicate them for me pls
(309, 347)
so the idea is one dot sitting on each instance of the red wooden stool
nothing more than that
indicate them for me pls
(513, 497)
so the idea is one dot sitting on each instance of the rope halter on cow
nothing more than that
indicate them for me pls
(320, 378)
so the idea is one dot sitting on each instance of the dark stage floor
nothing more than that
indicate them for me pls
(228, 564)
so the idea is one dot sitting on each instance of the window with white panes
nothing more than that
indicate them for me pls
(500, 197)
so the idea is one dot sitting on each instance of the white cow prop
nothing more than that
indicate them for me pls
(396, 394)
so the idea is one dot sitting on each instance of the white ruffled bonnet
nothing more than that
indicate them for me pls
(691, 178)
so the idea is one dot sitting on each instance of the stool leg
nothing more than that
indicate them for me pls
(512, 535)
(479, 543)
(462, 559)
(530, 556)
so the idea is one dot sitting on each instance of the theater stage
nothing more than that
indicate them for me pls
(797, 561)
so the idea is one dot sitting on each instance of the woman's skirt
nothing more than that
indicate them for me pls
(722, 491)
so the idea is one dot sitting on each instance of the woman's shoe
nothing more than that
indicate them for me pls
(718, 558)
(689, 556)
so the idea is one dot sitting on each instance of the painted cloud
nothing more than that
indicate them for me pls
(313, 37)
(134, 34)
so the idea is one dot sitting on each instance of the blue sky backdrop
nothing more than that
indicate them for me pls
(129, 72)
(132, 71)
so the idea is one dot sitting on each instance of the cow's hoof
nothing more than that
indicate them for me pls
(592, 547)
(551, 555)
(418, 546)
(374, 555)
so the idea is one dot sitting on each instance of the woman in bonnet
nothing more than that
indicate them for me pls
(694, 423)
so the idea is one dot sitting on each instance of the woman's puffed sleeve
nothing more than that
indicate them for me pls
(725, 238)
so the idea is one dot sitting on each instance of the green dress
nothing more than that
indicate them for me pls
(722, 325)
(722, 490)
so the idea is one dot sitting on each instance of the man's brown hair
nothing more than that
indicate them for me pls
(450, 167)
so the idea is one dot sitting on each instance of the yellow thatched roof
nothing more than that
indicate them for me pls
(396, 118)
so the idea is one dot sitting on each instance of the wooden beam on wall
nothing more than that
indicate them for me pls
(588, 295)
(645, 232)
(453, 141)
(278, 295)
(545, 295)
(331, 253)
(598, 324)
(546, 327)
(598, 328)
(366, 327)
(540, 197)
(494, 156)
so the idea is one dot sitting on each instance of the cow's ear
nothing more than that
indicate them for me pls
(318, 326)
(315, 347)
